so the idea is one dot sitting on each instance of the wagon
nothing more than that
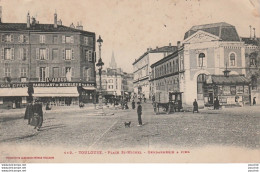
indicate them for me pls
(169, 102)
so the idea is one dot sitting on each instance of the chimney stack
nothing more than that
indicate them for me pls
(250, 31)
(178, 44)
(254, 33)
(72, 26)
(55, 20)
(0, 14)
(157, 48)
(79, 26)
(28, 20)
(170, 44)
(148, 49)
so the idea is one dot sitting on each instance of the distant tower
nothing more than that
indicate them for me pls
(112, 63)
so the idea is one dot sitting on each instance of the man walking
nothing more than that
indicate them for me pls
(195, 106)
(139, 113)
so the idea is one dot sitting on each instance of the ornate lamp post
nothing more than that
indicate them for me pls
(100, 64)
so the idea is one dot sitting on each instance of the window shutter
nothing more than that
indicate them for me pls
(12, 38)
(12, 51)
(43, 39)
(37, 53)
(95, 58)
(20, 72)
(63, 54)
(63, 38)
(3, 38)
(38, 73)
(3, 53)
(47, 72)
(63, 71)
(25, 52)
(47, 53)
(72, 39)
(72, 72)
(20, 53)
(72, 54)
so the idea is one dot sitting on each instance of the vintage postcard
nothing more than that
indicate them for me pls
(129, 81)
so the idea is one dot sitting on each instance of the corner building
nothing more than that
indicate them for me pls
(58, 62)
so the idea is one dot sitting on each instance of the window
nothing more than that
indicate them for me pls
(23, 72)
(43, 54)
(233, 90)
(43, 73)
(7, 72)
(110, 81)
(254, 82)
(21, 39)
(88, 55)
(232, 59)
(110, 86)
(86, 40)
(55, 39)
(252, 61)
(67, 54)
(68, 73)
(42, 39)
(8, 53)
(8, 38)
(67, 39)
(54, 54)
(55, 72)
(202, 60)
(23, 53)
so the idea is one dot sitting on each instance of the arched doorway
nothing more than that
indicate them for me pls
(201, 81)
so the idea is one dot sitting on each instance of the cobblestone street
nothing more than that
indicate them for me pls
(237, 127)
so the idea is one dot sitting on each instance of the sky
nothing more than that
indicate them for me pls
(129, 27)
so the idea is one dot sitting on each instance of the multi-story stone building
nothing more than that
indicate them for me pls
(142, 70)
(196, 68)
(52, 59)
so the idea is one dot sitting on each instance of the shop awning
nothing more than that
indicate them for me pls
(231, 79)
(9, 92)
(55, 92)
(89, 88)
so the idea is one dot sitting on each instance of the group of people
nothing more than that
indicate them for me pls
(34, 114)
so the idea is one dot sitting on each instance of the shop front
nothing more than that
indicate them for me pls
(233, 90)
(13, 96)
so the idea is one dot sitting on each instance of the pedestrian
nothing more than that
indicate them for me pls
(254, 101)
(133, 104)
(37, 109)
(29, 112)
(139, 113)
(195, 106)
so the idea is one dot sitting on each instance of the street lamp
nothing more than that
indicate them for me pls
(100, 64)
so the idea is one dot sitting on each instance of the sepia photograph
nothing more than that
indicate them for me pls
(129, 81)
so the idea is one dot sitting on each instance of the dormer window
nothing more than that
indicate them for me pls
(201, 60)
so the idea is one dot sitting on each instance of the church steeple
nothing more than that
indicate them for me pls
(112, 63)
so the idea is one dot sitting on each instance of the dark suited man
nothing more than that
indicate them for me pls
(139, 113)
(37, 108)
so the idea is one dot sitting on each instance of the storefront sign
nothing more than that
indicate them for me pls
(16, 85)
(56, 79)
(63, 84)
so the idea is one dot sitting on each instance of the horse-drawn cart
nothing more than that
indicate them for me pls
(168, 101)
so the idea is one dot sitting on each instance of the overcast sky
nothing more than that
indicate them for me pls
(129, 27)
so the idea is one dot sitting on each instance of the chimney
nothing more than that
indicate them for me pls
(254, 34)
(55, 20)
(148, 49)
(72, 26)
(79, 26)
(0, 14)
(28, 20)
(250, 31)
(33, 21)
(178, 44)
(59, 23)
(157, 48)
(170, 44)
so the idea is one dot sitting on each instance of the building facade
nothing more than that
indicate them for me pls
(196, 68)
(142, 69)
(56, 62)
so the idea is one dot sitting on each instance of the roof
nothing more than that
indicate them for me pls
(170, 56)
(225, 31)
(231, 79)
(39, 28)
(157, 50)
(251, 41)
